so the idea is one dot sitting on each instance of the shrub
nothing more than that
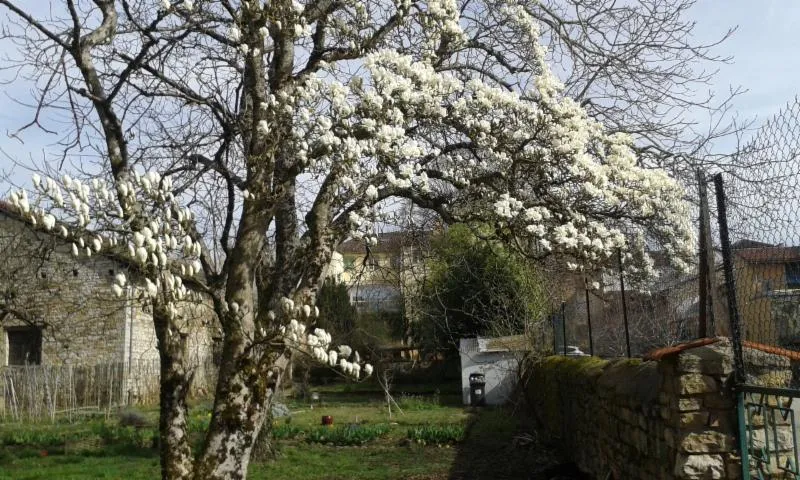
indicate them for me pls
(348, 435)
(124, 436)
(133, 418)
(286, 431)
(418, 402)
(436, 434)
(34, 438)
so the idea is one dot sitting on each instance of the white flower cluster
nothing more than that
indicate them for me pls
(318, 343)
(153, 234)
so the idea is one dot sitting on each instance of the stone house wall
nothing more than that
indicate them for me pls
(674, 418)
(70, 298)
(82, 322)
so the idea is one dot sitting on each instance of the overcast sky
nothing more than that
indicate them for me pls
(765, 49)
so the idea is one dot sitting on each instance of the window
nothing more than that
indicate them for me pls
(24, 345)
(372, 263)
(397, 262)
(793, 275)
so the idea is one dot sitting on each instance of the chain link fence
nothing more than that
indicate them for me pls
(762, 198)
(763, 220)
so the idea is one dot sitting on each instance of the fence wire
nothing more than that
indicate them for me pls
(762, 197)
(763, 216)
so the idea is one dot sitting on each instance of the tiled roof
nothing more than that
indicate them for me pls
(661, 353)
(664, 352)
(769, 254)
(388, 242)
(510, 343)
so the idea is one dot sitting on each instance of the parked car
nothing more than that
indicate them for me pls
(572, 351)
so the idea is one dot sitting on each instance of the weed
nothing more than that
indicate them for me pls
(347, 435)
(286, 431)
(417, 403)
(436, 434)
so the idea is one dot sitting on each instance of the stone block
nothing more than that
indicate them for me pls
(723, 420)
(690, 404)
(718, 400)
(707, 442)
(694, 383)
(669, 437)
(698, 467)
(710, 359)
(776, 379)
(783, 435)
(665, 413)
(733, 467)
(693, 420)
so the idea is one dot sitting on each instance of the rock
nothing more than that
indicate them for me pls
(700, 467)
(280, 410)
(706, 442)
(710, 359)
(693, 383)
(694, 420)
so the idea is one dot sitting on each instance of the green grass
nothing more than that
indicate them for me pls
(432, 439)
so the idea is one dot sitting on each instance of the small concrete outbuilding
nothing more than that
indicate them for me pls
(497, 359)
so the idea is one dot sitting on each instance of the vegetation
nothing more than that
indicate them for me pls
(427, 441)
(436, 434)
(347, 435)
(336, 314)
(476, 287)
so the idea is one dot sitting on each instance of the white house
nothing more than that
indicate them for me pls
(497, 359)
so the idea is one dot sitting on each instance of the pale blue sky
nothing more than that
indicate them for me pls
(765, 49)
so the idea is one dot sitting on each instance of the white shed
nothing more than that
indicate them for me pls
(497, 359)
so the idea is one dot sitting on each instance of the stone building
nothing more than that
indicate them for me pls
(59, 310)
(377, 276)
(768, 292)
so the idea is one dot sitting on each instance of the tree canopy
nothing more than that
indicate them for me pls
(235, 144)
(476, 288)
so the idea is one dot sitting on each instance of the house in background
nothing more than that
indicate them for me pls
(661, 311)
(59, 310)
(768, 292)
(377, 276)
(498, 360)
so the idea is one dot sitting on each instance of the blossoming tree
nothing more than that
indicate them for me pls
(237, 143)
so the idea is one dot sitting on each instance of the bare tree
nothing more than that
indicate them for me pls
(235, 144)
(639, 68)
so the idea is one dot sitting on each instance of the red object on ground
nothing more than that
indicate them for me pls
(43, 453)
(327, 420)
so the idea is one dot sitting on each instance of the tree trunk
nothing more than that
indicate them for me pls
(176, 378)
(243, 401)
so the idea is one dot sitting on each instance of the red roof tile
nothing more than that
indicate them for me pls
(769, 254)
(663, 352)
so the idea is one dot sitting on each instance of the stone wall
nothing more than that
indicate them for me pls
(83, 323)
(70, 299)
(674, 418)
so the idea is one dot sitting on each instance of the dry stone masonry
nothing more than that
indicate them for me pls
(674, 418)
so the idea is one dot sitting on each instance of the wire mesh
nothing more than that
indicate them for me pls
(763, 217)
(609, 315)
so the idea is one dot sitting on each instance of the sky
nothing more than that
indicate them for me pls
(765, 63)
(765, 50)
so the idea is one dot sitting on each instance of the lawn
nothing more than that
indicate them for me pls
(433, 438)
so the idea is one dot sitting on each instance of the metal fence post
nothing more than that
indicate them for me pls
(589, 319)
(564, 325)
(733, 312)
(730, 282)
(624, 304)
